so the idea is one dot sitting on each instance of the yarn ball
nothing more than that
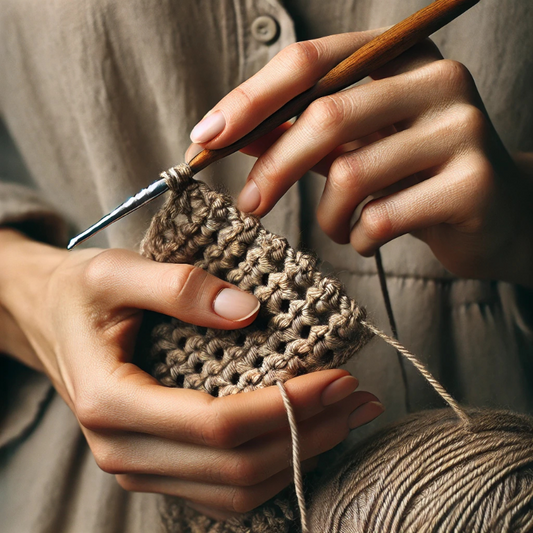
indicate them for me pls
(429, 473)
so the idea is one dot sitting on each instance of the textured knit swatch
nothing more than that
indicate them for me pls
(306, 322)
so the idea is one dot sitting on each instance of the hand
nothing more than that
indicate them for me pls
(80, 313)
(417, 139)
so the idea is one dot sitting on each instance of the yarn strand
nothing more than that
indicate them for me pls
(297, 469)
(439, 389)
(392, 322)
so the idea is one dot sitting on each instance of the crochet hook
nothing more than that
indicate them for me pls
(354, 68)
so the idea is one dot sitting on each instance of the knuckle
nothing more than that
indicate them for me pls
(376, 223)
(244, 97)
(91, 411)
(267, 167)
(475, 224)
(106, 457)
(242, 471)
(100, 269)
(454, 74)
(472, 121)
(243, 500)
(346, 172)
(480, 177)
(128, 482)
(301, 56)
(326, 113)
(182, 284)
(218, 431)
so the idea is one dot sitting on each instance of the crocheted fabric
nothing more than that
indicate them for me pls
(275, 516)
(306, 322)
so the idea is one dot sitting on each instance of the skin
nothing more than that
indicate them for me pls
(417, 139)
(75, 316)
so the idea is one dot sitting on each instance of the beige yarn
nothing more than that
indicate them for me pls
(276, 516)
(428, 473)
(306, 323)
(431, 474)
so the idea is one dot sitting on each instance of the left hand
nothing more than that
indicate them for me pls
(417, 139)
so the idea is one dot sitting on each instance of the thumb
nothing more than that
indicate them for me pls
(121, 279)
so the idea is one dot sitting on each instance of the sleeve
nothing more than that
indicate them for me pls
(23, 209)
(21, 205)
(24, 393)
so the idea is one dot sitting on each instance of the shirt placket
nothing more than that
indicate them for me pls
(264, 29)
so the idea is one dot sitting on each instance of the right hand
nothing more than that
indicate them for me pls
(80, 313)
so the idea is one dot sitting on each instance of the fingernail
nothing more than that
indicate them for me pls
(365, 414)
(192, 152)
(235, 305)
(338, 390)
(208, 127)
(250, 198)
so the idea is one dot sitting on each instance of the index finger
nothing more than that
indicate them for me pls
(292, 71)
(134, 401)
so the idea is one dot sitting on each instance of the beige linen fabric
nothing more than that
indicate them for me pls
(100, 96)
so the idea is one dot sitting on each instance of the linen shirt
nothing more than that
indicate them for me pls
(100, 96)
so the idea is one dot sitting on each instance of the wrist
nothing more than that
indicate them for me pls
(25, 266)
(14, 343)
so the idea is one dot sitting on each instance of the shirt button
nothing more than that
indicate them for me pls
(265, 29)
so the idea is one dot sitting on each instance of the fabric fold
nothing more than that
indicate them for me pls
(23, 209)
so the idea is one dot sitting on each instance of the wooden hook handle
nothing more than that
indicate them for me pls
(354, 68)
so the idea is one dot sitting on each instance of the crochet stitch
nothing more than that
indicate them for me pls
(306, 323)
